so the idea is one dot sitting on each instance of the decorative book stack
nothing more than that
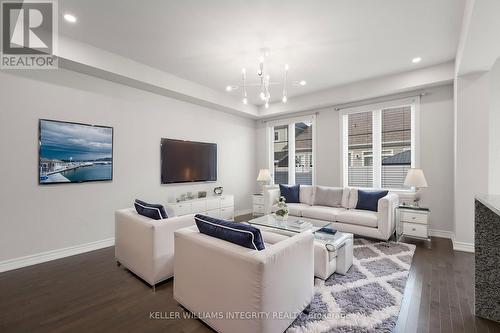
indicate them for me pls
(300, 224)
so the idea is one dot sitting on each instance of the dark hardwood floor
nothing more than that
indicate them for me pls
(90, 293)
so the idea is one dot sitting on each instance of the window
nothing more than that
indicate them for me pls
(360, 143)
(379, 145)
(292, 151)
(280, 153)
(396, 134)
(303, 153)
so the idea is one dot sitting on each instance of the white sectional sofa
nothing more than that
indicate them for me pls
(341, 212)
(146, 246)
(218, 277)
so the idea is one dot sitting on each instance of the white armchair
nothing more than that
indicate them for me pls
(146, 246)
(215, 276)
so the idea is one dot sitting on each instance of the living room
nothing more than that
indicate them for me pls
(250, 166)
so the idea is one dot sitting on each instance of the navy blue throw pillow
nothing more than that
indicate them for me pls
(368, 200)
(236, 233)
(153, 211)
(291, 193)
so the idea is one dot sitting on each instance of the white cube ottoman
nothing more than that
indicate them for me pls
(332, 254)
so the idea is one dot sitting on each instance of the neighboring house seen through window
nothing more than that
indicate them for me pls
(292, 152)
(378, 144)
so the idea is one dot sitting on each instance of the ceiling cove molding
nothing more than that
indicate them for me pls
(93, 61)
(367, 89)
(478, 47)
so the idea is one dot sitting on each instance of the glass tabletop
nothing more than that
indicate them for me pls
(291, 224)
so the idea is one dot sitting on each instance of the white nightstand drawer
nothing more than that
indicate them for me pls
(227, 201)
(415, 229)
(258, 209)
(258, 199)
(213, 204)
(182, 208)
(413, 217)
(227, 213)
(199, 206)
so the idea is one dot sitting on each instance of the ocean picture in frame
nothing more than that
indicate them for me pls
(74, 152)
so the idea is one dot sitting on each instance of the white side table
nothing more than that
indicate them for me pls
(412, 222)
(258, 204)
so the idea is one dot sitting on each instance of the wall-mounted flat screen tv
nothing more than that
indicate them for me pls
(188, 161)
(74, 152)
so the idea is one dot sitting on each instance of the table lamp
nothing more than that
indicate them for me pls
(415, 178)
(264, 177)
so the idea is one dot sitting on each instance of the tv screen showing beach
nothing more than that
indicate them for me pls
(74, 153)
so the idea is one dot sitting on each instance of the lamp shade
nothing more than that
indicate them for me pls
(415, 178)
(264, 175)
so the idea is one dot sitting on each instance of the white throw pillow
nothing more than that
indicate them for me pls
(353, 198)
(328, 196)
(306, 194)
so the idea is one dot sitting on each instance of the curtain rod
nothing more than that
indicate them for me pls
(380, 99)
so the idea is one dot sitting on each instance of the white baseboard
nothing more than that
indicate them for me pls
(242, 212)
(39, 258)
(457, 246)
(441, 233)
(464, 247)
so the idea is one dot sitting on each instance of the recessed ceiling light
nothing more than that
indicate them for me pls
(303, 83)
(229, 88)
(70, 18)
(416, 60)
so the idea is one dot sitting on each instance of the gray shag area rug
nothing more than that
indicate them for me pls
(367, 299)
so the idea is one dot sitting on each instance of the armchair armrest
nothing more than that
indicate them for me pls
(271, 196)
(387, 214)
(288, 265)
(134, 242)
(146, 246)
(163, 240)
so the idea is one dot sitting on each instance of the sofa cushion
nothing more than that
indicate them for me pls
(153, 211)
(306, 194)
(322, 212)
(359, 217)
(346, 193)
(328, 196)
(353, 198)
(291, 193)
(368, 200)
(237, 233)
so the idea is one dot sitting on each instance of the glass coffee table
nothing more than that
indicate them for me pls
(270, 221)
(333, 251)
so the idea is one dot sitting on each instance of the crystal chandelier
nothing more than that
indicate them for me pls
(263, 82)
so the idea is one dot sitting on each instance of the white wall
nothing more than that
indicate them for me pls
(41, 218)
(494, 128)
(436, 152)
(436, 125)
(328, 148)
(471, 152)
